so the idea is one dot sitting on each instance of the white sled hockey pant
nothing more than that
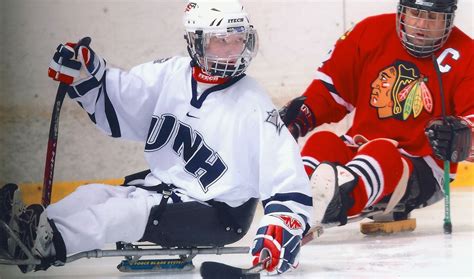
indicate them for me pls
(97, 214)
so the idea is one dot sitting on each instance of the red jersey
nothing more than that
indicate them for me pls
(394, 93)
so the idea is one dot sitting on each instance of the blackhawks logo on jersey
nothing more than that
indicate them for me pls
(400, 91)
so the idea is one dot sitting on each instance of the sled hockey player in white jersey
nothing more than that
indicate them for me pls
(213, 140)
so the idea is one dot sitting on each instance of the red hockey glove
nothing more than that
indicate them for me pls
(451, 139)
(279, 237)
(67, 67)
(298, 117)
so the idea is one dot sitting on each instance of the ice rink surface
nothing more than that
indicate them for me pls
(341, 252)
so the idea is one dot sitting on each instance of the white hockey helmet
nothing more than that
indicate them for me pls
(423, 26)
(221, 23)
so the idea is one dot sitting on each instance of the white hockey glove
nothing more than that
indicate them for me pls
(81, 68)
(279, 237)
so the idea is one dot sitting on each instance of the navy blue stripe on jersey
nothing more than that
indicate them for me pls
(279, 207)
(295, 197)
(91, 116)
(71, 91)
(111, 116)
(276, 207)
(197, 102)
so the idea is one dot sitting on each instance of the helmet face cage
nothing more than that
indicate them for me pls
(223, 65)
(423, 31)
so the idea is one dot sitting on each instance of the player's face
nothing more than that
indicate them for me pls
(381, 88)
(227, 46)
(423, 27)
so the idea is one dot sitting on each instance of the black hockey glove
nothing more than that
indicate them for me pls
(298, 117)
(450, 138)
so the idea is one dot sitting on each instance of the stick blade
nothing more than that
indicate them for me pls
(215, 270)
(448, 228)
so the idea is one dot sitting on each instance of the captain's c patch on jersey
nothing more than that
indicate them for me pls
(274, 119)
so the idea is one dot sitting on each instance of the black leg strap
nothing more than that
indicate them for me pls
(157, 211)
(227, 220)
(136, 176)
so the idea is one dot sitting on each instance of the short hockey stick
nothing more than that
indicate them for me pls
(53, 135)
(214, 270)
(52, 145)
(447, 226)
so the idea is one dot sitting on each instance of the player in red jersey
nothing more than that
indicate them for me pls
(384, 68)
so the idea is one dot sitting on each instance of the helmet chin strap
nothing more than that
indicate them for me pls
(202, 77)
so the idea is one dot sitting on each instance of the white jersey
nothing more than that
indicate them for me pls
(227, 144)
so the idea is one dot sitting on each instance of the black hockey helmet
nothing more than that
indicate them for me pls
(425, 25)
(440, 6)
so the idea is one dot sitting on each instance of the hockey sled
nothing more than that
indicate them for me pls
(393, 222)
(175, 235)
(386, 227)
(376, 213)
(131, 252)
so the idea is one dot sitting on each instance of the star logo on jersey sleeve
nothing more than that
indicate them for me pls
(274, 119)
